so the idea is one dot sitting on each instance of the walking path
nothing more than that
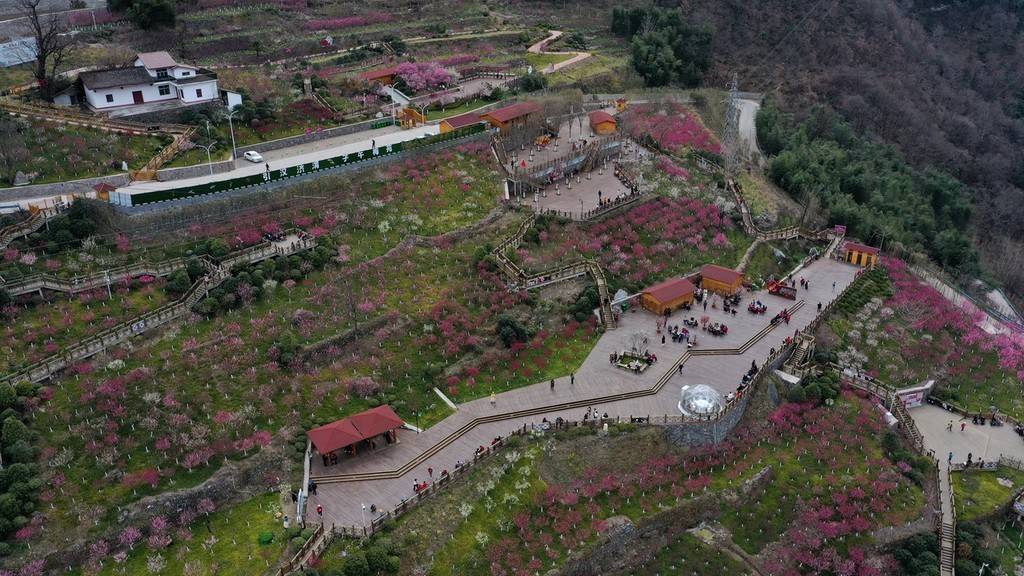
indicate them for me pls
(456, 437)
(986, 443)
(539, 48)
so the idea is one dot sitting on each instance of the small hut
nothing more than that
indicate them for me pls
(602, 122)
(860, 254)
(668, 296)
(363, 430)
(720, 280)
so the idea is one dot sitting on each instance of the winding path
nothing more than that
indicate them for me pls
(539, 48)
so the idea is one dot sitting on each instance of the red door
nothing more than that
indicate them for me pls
(137, 96)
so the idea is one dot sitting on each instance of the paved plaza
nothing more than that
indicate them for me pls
(595, 379)
(580, 196)
(985, 443)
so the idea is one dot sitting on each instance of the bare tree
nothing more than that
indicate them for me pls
(13, 153)
(53, 43)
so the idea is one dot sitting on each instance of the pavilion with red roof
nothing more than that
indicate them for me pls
(363, 429)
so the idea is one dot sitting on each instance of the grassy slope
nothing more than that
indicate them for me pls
(980, 493)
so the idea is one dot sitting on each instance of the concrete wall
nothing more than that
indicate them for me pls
(712, 432)
(58, 188)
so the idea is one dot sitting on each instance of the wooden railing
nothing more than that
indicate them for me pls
(519, 280)
(216, 274)
(29, 225)
(92, 281)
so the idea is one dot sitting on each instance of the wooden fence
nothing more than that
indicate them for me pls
(216, 274)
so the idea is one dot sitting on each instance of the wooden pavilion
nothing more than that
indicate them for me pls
(361, 430)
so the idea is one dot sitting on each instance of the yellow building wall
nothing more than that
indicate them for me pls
(659, 308)
(721, 287)
(861, 258)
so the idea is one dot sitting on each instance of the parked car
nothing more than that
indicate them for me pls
(253, 156)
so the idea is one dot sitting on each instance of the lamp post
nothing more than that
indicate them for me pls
(231, 127)
(209, 158)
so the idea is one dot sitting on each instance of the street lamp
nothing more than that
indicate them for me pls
(209, 159)
(231, 127)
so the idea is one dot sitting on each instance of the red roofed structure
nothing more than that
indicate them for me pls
(602, 122)
(460, 121)
(511, 116)
(860, 254)
(381, 75)
(669, 295)
(720, 279)
(348, 432)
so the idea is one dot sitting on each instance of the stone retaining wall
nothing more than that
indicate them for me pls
(57, 188)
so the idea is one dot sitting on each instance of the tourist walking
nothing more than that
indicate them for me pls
(430, 471)
(552, 384)
(950, 458)
(572, 378)
(494, 399)
(320, 511)
(949, 427)
(962, 426)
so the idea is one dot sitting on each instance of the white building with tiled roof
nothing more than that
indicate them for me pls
(154, 78)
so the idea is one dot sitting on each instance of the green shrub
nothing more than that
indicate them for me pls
(265, 538)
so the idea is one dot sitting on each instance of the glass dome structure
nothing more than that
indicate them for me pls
(700, 400)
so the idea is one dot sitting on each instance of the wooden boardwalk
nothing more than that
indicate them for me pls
(596, 378)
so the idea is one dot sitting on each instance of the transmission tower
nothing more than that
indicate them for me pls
(731, 137)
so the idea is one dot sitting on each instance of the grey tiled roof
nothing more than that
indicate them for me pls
(116, 77)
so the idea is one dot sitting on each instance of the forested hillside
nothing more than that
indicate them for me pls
(941, 81)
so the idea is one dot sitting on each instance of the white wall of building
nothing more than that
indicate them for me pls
(123, 95)
(189, 95)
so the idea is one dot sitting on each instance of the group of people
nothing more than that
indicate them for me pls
(783, 315)
(757, 307)
(682, 335)
(717, 328)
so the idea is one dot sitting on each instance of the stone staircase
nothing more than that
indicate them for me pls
(217, 272)
(947, 531)
(29, 225)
